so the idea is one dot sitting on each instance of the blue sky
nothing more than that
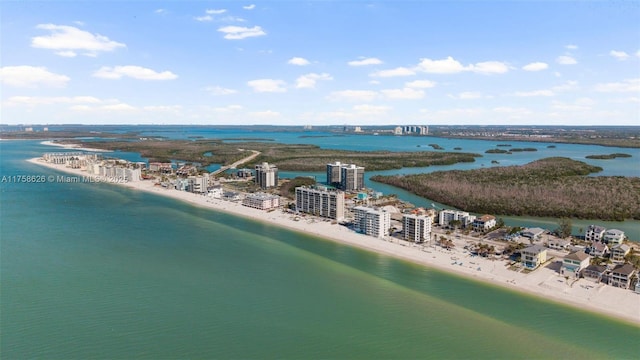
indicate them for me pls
(321, 62)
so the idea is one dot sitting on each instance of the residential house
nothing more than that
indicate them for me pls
(484, 223)
(594, 272)
(533, 256)
(598, 249)
(618, 252)
(559, 244)
(621, 276)
(532, 233)
(613, 236)
(594, 233)
(573, 264)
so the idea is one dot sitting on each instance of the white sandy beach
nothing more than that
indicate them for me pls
(72, 146)
(544, 282)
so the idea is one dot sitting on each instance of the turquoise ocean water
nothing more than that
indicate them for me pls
(99, 271)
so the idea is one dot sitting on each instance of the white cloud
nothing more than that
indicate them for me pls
(308, 81)
(568, 85)
(620, 55)
(453, 66)
(445, 66)
(535, 66)
(489, 67)
(399, 71)
(468, 95)
(160, 11)
(218, 90)
(132, 71)
(215, 11)
(241, 32)
(630, 85)
(118, 107)
(266, 113)
(52, 100)
(366, 109)
(534, 93)
(638, 53)
(228, 109)
(583, 104)
(365, 61)
(420, 84)
(249, 7)
(203, 18)
(31, 77)
(406, 93)
(298, 61)
(68, 40)
(353, 95)
(267, 85)
(162, 108)
(566, 60)
(571, 47)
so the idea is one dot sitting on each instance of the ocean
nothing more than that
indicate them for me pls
(99, 271)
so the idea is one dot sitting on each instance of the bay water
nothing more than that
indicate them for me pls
(99, 271)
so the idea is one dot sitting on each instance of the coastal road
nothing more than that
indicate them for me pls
(239, 162)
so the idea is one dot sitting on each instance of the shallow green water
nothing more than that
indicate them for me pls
(98, 271)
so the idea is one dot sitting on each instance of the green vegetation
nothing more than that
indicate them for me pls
(497, 151)
(288, 189)
(608, 156)
(436, 147)
(564, 227)
(551, 187)
(291, 157)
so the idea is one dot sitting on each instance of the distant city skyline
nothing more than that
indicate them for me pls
(320, 63)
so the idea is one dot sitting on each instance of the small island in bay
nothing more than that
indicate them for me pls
(550, 187)
(497, 151)
(608, 156)
(436, 147)
(457, 148)
(523, 149)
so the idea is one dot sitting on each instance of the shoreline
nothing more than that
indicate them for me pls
(72, 146)
(543, 283)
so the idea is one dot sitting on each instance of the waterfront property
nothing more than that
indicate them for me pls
(559, 244)
(533, 233)
(445, 217)
(110, 169)
(370, 221)
(320, 201)
(613, 236)
(417, 228)
(347, 177)
(594, 272)
(598, 249)
(618, 252)
(266, 175)
(594, 233)
(533, 256)
(261, 201)
(574, 263)
(621, 276)
(484, 223)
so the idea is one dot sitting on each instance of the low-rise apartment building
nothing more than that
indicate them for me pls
(261, 201)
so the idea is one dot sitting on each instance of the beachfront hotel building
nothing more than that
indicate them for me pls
(261, 201)
(594, 233)
(320, 202)
(266, 175)
(198, 184)
(417, 228)
(370, 221)
(446, 216)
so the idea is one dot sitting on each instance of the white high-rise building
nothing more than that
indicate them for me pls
(417, 228)
(371, 221)
(320, 202)
(266, 175)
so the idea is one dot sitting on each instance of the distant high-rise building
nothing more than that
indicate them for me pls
(333, 174)
(351, 177)
(266, 175)
(417, 228)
